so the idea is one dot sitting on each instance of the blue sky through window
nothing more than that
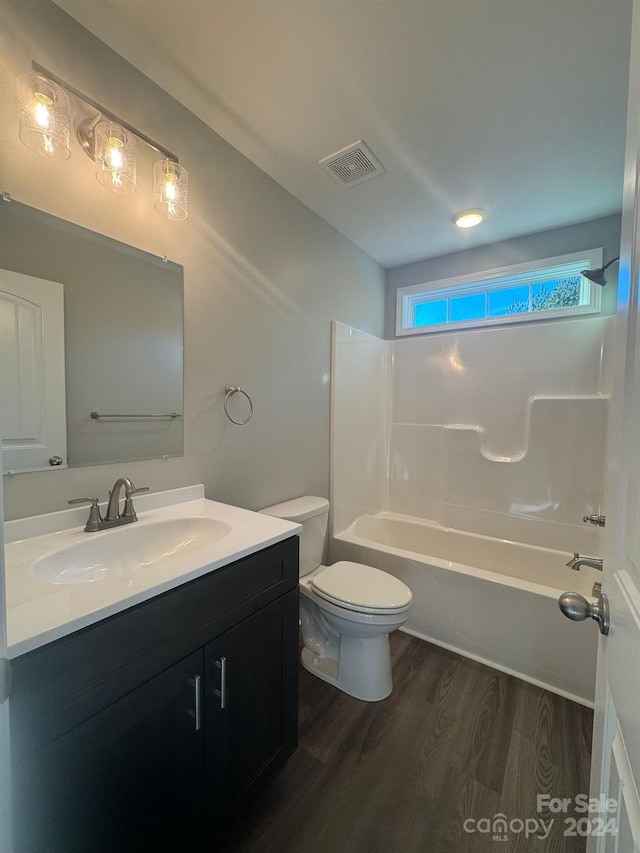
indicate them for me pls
(500, 301)
(431, 313)
(472, 307)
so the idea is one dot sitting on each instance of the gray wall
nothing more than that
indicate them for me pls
(597, 233)
(264, 277)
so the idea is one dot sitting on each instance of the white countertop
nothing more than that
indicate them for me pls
(39, 611)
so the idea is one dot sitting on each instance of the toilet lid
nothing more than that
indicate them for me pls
(355, 585)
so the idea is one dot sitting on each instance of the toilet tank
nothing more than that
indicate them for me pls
(313, 514)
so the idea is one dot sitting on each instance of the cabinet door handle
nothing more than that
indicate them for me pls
(222, 692)
(195, 682)
(198, 699)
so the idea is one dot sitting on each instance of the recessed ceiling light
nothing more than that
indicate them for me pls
(469, 218)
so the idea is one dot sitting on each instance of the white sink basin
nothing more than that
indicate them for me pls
(125, 550)
(60, 579)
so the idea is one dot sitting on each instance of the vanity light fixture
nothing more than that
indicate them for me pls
(44, 116)
(469, 218)
(112, 143)
(170, 189)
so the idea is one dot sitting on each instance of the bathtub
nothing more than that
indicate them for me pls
(490, 600)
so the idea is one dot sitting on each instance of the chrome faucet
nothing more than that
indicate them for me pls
(576, 562)
(113, 517)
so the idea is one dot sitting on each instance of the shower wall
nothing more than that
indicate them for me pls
(492, 431)
(360, 420)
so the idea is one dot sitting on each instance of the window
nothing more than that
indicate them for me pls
(536, 290)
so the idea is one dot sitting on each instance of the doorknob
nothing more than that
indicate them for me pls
(577, 607)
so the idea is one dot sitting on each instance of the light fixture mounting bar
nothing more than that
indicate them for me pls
(99, 108)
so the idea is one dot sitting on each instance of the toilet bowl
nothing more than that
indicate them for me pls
(347, 610)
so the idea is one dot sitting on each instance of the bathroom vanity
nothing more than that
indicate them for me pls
(156, 720)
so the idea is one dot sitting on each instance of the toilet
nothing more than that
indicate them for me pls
(347, 610)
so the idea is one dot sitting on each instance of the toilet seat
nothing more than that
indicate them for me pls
(360, 588)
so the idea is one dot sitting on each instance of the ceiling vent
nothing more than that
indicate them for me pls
(353, 165)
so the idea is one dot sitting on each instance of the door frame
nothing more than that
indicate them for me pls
(606, 728)
(5, 765)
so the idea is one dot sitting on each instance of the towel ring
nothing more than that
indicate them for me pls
(230, 390)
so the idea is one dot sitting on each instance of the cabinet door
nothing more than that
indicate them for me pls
(251, 702)
(130, 774)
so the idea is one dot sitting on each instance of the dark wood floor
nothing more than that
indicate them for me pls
(455, 740)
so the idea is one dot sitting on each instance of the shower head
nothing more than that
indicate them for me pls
(597, 275)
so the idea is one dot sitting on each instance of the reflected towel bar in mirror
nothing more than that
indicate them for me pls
(99, 416)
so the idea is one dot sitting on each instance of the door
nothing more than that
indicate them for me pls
(129, 778)
(32, 384)
(250, 701)
(615, 774)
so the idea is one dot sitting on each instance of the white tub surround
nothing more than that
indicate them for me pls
(463, 463)
(490, 600)
(211, 535)
(494, 431)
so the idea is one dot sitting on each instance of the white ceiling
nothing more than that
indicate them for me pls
(515, 106)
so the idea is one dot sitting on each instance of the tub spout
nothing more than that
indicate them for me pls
(576, 562)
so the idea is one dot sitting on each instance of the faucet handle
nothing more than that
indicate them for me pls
(128, 510)
(95, 519)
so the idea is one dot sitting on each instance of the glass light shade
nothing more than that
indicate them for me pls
(170, 189)
(115, 156)
(44, 116)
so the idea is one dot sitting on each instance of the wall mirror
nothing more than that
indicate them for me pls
(91, 346)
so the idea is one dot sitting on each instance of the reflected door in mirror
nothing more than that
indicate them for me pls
(32, 384)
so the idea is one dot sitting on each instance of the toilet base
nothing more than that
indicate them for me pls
(363, 669)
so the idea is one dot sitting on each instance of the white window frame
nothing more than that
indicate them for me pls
(407, 298)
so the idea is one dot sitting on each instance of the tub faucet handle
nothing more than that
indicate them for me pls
(598, 520)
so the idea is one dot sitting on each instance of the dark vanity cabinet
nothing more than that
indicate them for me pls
(144, 729)
(247, 713)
